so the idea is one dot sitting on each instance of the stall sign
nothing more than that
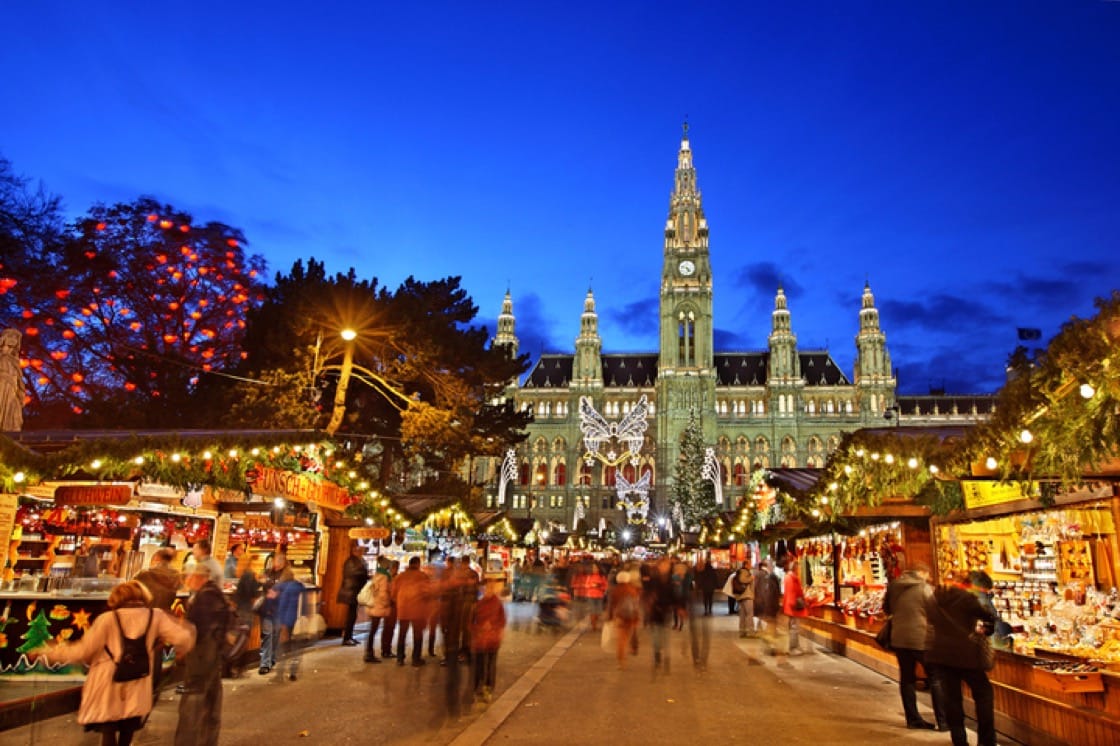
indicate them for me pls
(984, 493)
(220, 546)
(376, 532)
(300, 488)
(93, 494)
(263, 521)
(8, 506)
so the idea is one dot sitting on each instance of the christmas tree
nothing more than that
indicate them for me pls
(693, 493)
(38, 633)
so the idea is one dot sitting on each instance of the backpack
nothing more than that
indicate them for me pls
(737, 586)
(134, 662)
(627, 608)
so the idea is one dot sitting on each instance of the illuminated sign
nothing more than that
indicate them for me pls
(93, 494)
(376, 532)
(984, 494)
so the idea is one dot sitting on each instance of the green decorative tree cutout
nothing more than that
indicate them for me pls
(38, 633)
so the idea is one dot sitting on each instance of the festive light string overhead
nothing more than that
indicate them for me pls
(224, 464)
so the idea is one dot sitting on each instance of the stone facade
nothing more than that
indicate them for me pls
(779, 407)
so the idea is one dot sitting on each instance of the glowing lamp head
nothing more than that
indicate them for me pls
(1087, 391)
(991, 462)
(1025, 436)
(348, 335)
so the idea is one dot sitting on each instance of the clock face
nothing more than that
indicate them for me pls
(687, 268)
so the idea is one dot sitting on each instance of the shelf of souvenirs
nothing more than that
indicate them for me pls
(1078, 622)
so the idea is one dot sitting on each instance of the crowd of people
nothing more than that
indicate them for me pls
(632, 603)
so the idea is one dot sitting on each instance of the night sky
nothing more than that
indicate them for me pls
(962, 157)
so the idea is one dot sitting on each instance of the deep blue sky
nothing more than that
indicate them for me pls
(961, 156)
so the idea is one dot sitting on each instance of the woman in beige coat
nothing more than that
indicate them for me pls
(118, 709)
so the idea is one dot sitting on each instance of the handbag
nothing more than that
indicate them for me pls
(883, 636)
(365, 595)
(606, 639)
(310, 626)
(987, 653)
(980, 640)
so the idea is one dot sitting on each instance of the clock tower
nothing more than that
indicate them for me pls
(686, 378)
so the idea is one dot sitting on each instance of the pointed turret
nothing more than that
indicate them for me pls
(873, 362)
(785, 366)
(587, 368)
(506, 335)
(872, 373)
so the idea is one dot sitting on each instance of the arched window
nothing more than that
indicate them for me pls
(542, 475)
(609, 476)
(523, 473)
(740, 474)
(585, 474)
(628, 472)
(560, 475)
(647, 469)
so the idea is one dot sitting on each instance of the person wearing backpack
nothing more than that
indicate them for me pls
(742, 585)
(200, 709)
(113, 707)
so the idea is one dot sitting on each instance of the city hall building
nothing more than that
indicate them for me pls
(779, 407)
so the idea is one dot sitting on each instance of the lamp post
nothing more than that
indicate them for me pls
(348, 336)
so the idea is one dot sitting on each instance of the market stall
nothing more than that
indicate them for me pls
(68, 545)
(1055, 574)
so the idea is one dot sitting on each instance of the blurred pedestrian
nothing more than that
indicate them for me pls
(355, 574)
(954, 614)
(231, 567)
(160, 580)
(380, 609)
(201, 553)
(624, 611)
(290, 600)
(768, 601)
(794, 606)
(742, 585)
(905, 602)
(200, 708)
(275, 569)
(659, 604)
(117, 709)
(389, 625)
(729, 592)
(411, 591)
(487, 627)
(707, 580)
(163, 584)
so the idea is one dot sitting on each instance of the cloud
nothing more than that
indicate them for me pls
(641, 318)
(728, 341)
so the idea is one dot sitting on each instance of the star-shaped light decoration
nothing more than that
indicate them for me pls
(80, 619)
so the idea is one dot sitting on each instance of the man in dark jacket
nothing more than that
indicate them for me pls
(953, 613)
(905, 602)
(200, 709)
(768, 601)
(355, 574)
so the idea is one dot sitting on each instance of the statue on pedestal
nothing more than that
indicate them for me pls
(12, 386)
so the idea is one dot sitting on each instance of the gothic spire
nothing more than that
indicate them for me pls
(506, 321)
(587, 369)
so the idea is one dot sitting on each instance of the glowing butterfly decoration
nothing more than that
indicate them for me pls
(193, 498)
(507, 474)
(636, 510)
(710, 470)
(631, 431)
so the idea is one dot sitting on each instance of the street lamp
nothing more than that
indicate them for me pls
(348, 370)
(348, 336)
